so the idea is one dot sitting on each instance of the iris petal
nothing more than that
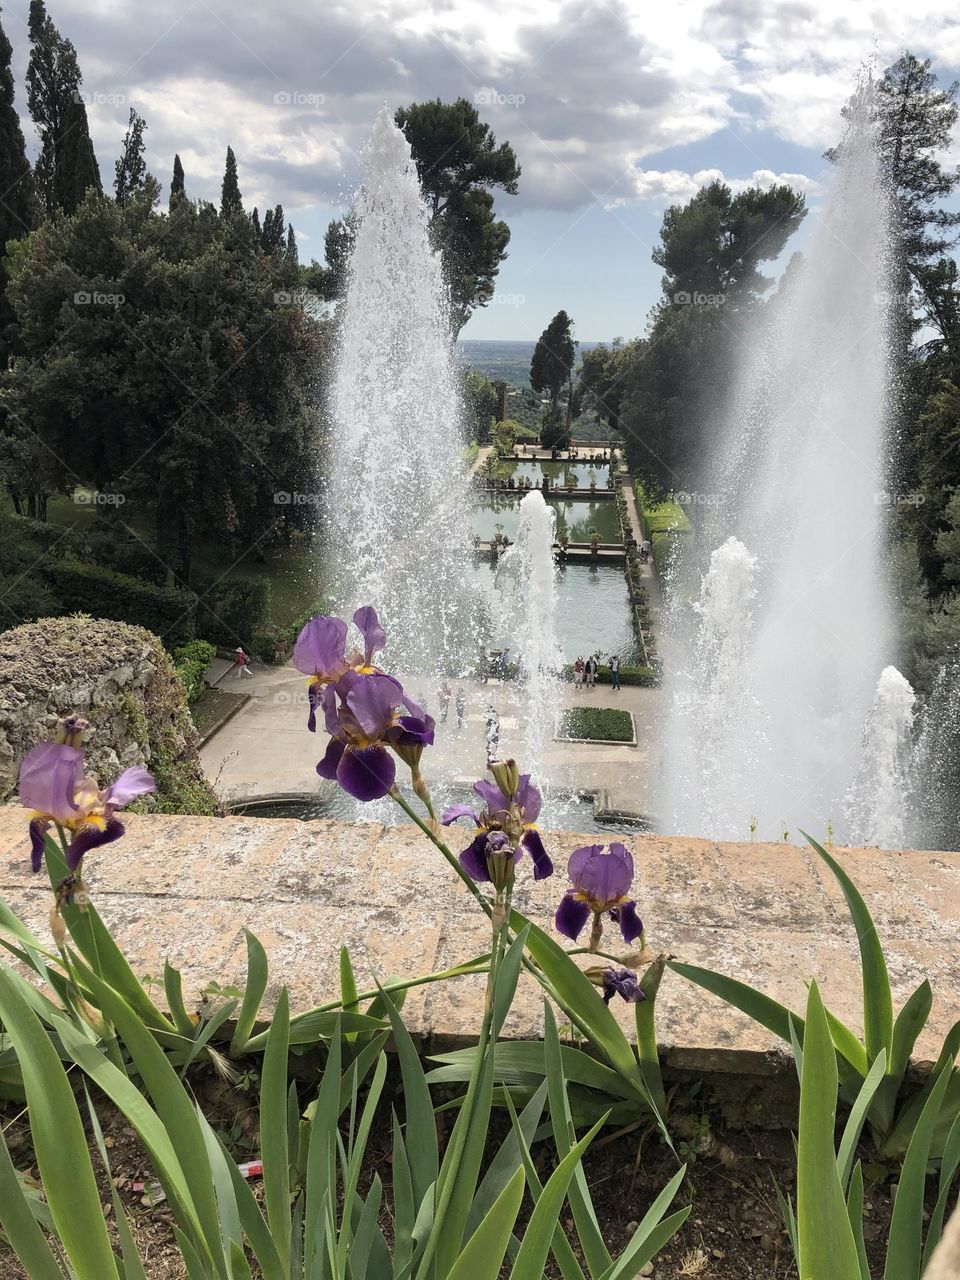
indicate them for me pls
(92, 837)
(49, 777)
(459, 811)
(38, 829)
(320, 647)
(474, 858)
(368, 624)
(131, 784)
(327, 767)
(367, 773)
(631, 926)
(572, 915)
(542, 866)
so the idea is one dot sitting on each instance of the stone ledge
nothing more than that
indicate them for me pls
(184, 888)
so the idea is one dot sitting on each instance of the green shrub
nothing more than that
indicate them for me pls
(115, 549)
(230, 612)
(605, 724)
(25, 600)
(659, 516)
(191, 661)
(169, 612)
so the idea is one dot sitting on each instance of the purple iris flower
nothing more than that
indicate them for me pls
(320, 653)
(52, 784)
(621, 982)
(601, 877)
(506, 820)
(365, 715)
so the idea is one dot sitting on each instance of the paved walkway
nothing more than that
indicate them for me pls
(265, 749)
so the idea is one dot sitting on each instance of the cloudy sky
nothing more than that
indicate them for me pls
(614, 109)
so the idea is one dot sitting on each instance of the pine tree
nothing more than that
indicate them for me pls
(177, 185)
(292, 252)
(231, 202)
(132, 177)
(66, 166)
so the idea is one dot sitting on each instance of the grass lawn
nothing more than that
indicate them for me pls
(660, 516)
(605, 724)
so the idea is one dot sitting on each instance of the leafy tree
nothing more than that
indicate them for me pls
(714, 244)
(668, 385)
(197, 402)
(231, 202)
(601, 379)
(480, 402)
(459, 163)
(66, 166)
(131, 169)
(329, 278)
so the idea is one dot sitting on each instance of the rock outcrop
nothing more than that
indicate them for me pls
(119, 678)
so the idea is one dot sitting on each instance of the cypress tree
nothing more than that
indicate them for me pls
(17, 209)
(231, 202)
(66, 166)
(131, 169)
(292, 252)
(178, 191)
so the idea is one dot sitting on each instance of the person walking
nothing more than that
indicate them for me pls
(590, 671)
(461, 705)
(645, 548)
(578, 673)
(493, 734)
(242, 664)
(615, 671)
(444, 699)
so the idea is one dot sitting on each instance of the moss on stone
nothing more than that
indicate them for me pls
(121, 679)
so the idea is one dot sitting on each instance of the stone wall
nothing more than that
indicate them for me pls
(119, 678)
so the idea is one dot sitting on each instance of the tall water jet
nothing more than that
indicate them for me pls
(936, 765)
(878, 804)
(527, 576)
(397, 524)
(710, 704)
(798, 479)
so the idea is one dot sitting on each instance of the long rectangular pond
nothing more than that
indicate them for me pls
(576, 518)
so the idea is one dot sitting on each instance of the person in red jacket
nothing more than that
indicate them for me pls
(242, 664)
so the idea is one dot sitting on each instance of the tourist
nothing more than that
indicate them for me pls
(241, 662)
(444, 699)
(493, 734)
(645, 548)
(578, 673)
(461, 705)
(483, 667)
(615, 671)
(590, 671)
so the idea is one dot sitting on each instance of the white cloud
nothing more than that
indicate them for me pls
(587, 91)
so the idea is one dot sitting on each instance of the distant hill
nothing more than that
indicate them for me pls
(503, 361)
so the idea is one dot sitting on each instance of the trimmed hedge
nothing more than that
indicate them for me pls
(168, 612)
(604, 724)
(645, 677)
(191, 662)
